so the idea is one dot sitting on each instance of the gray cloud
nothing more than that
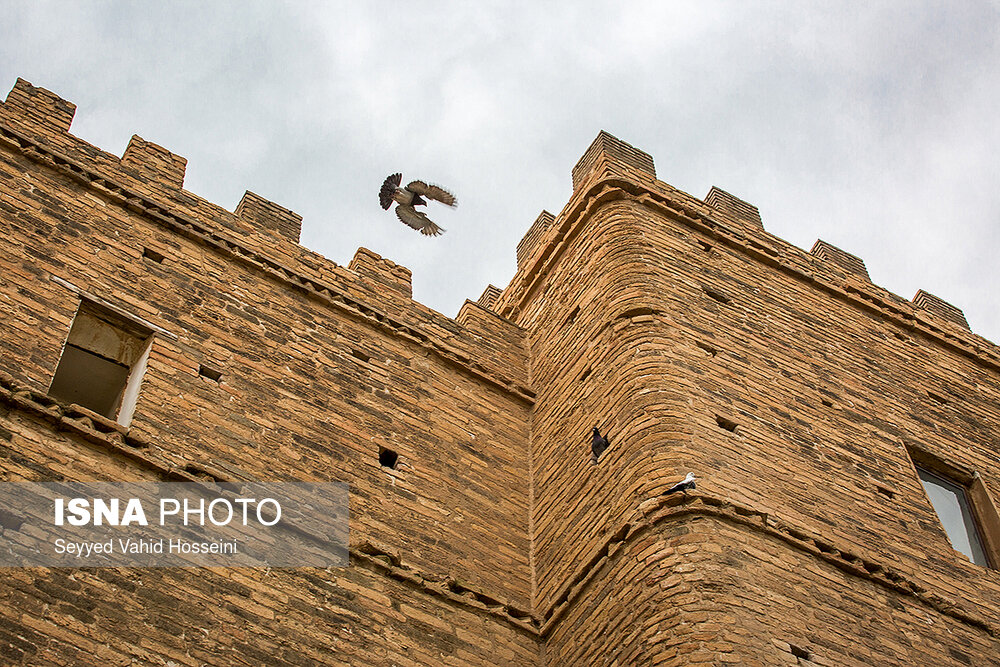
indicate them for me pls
(870, 125)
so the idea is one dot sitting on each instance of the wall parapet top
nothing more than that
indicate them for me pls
(170, 217)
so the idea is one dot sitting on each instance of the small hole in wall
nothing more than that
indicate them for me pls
(210, 373)
(572, 315)
(716, 294)
(358, 354)
(387, 458)
(799, 652)
(938, 398)
(885, 491)
(900, 336)
(706, 348)
(201, 473)
(726, 424)
(9, 521)
(705, 245)
(152, 255)
(586, 374)
(827, 402)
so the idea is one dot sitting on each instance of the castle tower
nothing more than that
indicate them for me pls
(836, 430)
(815, 408)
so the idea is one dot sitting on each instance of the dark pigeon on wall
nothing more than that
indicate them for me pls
(598, 444)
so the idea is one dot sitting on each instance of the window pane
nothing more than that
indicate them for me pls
(952, 507)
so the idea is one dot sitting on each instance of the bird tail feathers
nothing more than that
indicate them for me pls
(430, 229)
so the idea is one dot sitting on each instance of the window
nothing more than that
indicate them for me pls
(951, 502)
(964, 506)
(102, 363)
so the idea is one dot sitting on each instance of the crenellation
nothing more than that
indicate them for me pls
(270, 217)
(845, 260)
(383, 272)
(154, 162)
(490, 297)
(497, 336)
(529, 244)
(38, 109)
(733, 207)
(940, 308)
(609, 155)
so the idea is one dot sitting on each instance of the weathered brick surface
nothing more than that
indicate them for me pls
(668, 325)
(733, 208)
(701, 589)
(785, 380)
(940, 307)
(321, 365)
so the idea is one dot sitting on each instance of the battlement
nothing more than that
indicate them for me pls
(267, 215)
(843, 259)
(148, 181)
(385, 273)
(610, 155)
(733, 207)
(145, 169)
(490, 297)
(154, 162)
(940, 307)
(37, 108)
(722, 217)
(528, 246)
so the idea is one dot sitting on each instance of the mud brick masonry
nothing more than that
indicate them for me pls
(803, 396)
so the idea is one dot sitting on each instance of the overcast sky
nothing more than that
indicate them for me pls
(873, 126)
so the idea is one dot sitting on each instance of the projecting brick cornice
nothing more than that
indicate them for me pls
(858, 293)
(667, 509)
(94, 428)
(120, 194)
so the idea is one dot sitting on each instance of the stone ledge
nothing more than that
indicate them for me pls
(661, 509)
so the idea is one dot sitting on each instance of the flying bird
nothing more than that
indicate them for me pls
(408, 198)
(597, 445)
(683, 486)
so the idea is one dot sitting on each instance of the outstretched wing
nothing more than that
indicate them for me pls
(413, 218)
(389, 186)
(432, 192)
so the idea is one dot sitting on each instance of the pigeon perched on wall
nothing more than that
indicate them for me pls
(411, 196)
(598, 444)
(684, 485)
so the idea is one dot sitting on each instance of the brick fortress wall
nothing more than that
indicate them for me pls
(795, 389)
(321, 365)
